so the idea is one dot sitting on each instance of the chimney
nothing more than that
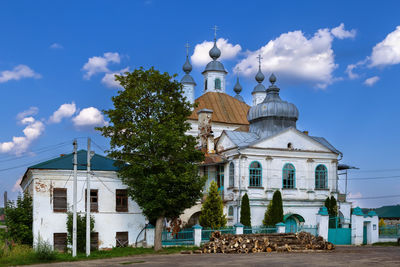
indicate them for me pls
(205, 132)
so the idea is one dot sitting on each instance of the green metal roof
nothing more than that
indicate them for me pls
(98, 163)
(387, 211)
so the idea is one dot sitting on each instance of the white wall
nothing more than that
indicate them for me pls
(107, 220)
(210, 76)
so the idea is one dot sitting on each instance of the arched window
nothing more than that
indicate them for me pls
(289, 176)
(255, 174)
(217, 83)
(231, 174)
(321, 175)
(205, 84)
(230, 211)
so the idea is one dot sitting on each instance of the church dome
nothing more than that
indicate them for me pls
(273, 114)
(187, 67)
(215, 53)
(215, 66)
(188, 79)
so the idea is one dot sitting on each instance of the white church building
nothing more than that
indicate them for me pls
(258, 149)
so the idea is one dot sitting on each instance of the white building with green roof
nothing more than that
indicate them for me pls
(118, 219)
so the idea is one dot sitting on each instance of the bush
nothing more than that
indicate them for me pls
(274, 212)
(212, 213)
(44, 251)
(245, 216)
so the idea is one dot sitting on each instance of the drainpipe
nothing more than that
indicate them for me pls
(240, 190)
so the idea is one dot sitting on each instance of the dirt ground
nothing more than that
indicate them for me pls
(342, 256)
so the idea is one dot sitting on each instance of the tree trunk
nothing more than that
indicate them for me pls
(158, 234)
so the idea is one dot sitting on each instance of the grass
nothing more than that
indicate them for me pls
(23, 255)
(385, 244)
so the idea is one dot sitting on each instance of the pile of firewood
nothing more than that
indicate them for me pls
(253, 243)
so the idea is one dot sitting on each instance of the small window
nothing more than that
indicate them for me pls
(231, 174)
(60, 200)
(230, 211)
(94, 200)
(255, 174)
(217, 83)
(289, 146)
(121, 200)
(289, 173)
(220, 177)
(122, 239)
(320, 177)
(60, 241)
(205, 85)
(94, 241)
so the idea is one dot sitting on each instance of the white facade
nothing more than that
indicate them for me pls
(41, 183)
(210, 78)
(188, 92)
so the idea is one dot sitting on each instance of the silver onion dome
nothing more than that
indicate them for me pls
(187, 67)
(273, 114)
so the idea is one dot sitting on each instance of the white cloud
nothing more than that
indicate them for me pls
(109, 78)
(18, 73)
(64, 111)
(89, 117)
(387, 52)
(371, 81)
(340, 33)
(294, 56)
(201, 57)
(30, 112)
(20, 144)
(100, 64)
(56, 46)
(16, 186)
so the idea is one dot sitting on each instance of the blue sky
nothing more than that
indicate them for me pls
(60, 56)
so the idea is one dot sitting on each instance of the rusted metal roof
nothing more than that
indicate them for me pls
(213, 159)
(226, 109)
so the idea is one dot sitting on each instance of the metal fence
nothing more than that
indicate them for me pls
(312, 229)
(206, 232)
(259, 230)
(183, 237)
(389, 231)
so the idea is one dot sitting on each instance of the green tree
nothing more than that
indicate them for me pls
(212, 210)
(80, 230)
(19, 219)
(331, 205)
(245, 217)
(274, 212)
(158, 161)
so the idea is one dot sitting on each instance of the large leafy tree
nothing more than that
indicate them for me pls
(212, 211)
(19, 219)
(274, 212)
(245, 216)
(147, 135)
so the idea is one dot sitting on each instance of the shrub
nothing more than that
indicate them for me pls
(245, 216)
(212, 213)
(274, 212)
(44, 251)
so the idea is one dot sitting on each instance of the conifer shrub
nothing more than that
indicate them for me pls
(245, 216)
(274, 212)
(212, 213)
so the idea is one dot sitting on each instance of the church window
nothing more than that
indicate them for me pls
(220, 177)
(289, 176)
(230, 211)
(217, 83)
(231, 174)
(205, 84)
(320, 177)
(289, 146)
(255, 174)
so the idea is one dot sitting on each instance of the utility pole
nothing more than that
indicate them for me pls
(88, 204)
(75, 188)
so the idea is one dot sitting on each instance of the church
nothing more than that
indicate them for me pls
(258, 149)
